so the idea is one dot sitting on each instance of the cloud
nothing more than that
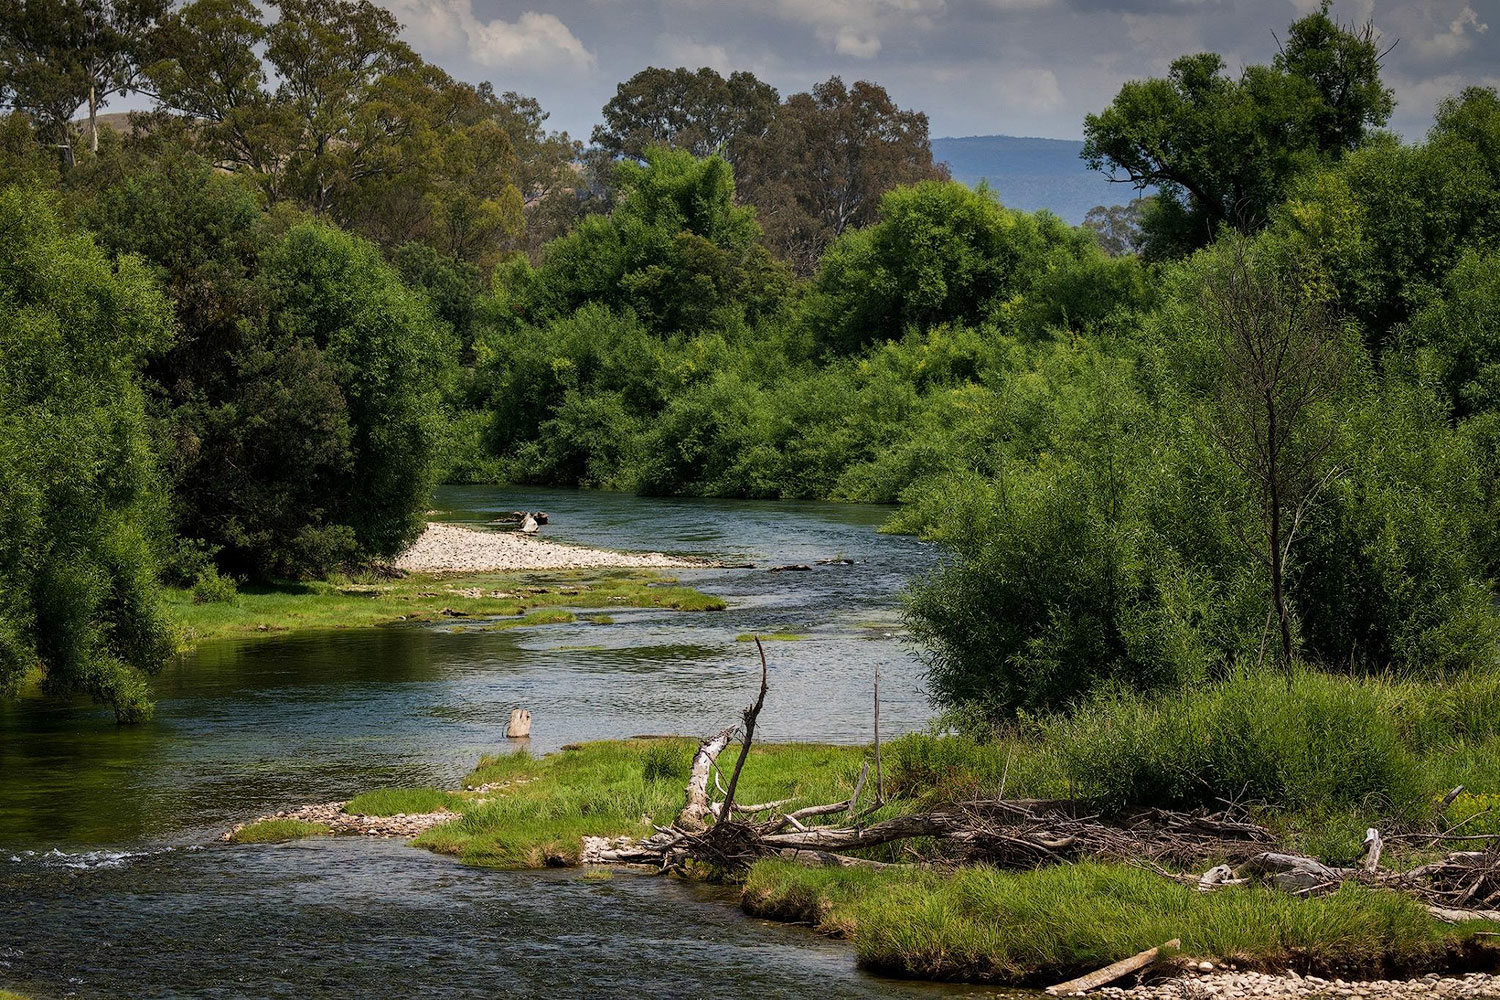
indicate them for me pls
(853, 43)
(676, 50)
(856, 28)
(1457, 39)
(533, 41)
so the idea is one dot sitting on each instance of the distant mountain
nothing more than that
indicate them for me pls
(1031, 174)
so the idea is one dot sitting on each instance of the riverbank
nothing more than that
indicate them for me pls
(453, 548)
(915, 913)
(487, 601)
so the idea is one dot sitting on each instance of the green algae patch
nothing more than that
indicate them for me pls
(276, 831)
(769, 636)
(1035, 928)
(403, 801)
(535, 811)
(419, 597)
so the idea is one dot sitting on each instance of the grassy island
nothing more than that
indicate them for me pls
(524, 598)
(1320, 762)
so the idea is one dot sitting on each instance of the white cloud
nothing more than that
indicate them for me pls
(856, 44)
(856, 27)
(1458, 38)
(533, 41)
(675, 50)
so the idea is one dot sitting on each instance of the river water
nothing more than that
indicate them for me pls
(112, 883)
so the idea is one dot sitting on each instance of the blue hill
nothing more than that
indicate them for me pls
(1031, 174)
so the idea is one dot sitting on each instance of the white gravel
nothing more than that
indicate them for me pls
(1228, 985)
(445, 548)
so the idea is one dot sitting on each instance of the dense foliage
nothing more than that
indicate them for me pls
(1222, 150)
(1269, 438)
(80, 506)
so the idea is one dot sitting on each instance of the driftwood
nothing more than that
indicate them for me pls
(1110, 973)
(695, 810)
(1464, 885)
(726, 836)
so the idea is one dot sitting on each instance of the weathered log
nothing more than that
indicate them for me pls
(1215, 877)
(1110, 973)
(519, 727)
(1454, 916)
(1373, 846)
(1291, 871)
(695, 810)
(939, 823)
(827, 859)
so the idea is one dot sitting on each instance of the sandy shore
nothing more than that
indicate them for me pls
(454, 548)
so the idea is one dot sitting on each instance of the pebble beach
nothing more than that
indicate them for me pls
(453, 548)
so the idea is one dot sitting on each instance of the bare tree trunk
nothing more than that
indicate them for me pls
(1273, 537)
(93, 120)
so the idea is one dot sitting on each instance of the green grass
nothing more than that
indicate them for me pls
(613, 788)
(408, 801)
(424, 598)
(274, 831)
(550, 616)
(1041, 927)
(1315, 742)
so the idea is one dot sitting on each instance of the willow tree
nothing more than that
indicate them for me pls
(80, 508)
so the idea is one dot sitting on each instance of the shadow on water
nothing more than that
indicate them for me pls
(98, 824)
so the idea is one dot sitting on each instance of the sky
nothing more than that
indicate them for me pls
(976, 67)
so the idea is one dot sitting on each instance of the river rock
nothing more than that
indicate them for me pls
(528, 525)
(520, 725)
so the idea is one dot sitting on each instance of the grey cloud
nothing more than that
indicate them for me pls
(1032, 67)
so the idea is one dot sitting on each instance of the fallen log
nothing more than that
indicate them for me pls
(1292, 871)
(1452, 916)
(1110, 973)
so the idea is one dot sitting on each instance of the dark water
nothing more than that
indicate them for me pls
(111, 883)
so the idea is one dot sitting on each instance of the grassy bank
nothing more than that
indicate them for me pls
(429, 597)
(1041, 927)
(1315, 758)
(608, 789)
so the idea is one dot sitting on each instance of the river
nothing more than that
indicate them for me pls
(112, 882)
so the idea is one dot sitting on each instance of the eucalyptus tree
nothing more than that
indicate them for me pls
(59, 55)
(1223, 150)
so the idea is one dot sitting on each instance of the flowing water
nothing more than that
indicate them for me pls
(112, 883)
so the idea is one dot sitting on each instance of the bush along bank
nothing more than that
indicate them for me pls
(1034, 855)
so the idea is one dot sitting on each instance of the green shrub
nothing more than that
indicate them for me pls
(1307, 741)
(212, 588)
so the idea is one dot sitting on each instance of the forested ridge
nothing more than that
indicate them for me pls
(1247, 421)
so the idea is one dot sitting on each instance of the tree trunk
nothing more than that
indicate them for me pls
(93, 120)
(1273, 537)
